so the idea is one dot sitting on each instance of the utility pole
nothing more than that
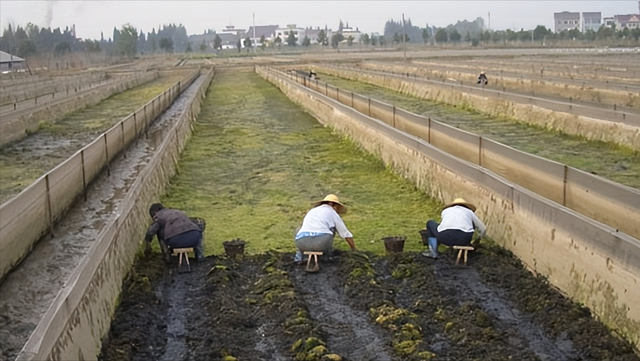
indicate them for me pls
(489, 16)
(404, 37)
(255, 42)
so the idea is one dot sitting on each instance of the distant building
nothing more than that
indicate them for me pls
(230, 36)
(591, 21)
(268, 31)
(631, 21)
(347, 32)
(283, 33)
(10, 62)
(312, 34)
(566, 20)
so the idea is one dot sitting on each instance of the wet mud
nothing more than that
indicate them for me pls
(359, 306)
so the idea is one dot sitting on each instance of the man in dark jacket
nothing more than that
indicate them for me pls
(174, 229)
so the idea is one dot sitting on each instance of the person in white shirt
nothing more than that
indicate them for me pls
(319, 227)
(459, 222)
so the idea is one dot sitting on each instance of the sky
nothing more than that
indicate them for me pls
(91, 17)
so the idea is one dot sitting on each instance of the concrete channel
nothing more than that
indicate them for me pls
(73, 324)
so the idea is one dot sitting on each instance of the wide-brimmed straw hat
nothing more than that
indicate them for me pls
(460, 202)
(342, 209)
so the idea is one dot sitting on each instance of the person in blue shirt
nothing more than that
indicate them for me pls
(319, 227)
(457, 227)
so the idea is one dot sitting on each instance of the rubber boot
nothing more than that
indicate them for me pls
(199, 252)
(433, 248)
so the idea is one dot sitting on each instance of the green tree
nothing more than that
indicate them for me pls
(127, 41)
(248, 43)
(203, 46)
(27, 48)
(441, 36)
(396, 38)
(350, 40)
(291, 39)
(188, 49)
(263, 42)
(322, 38)
(239, 45)
(166, 44)
(336, 39)
(92, 46)
(217, 42)
(425, 35)
(374, 40)
(540, 32)
(62, 48)
(366, 40)
(306, 41)
(455, 36)
(278, 41)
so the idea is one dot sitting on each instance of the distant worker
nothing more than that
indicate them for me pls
(319, 227)
(312, 74)
(174, 229)
(482, 78)
(459, 222)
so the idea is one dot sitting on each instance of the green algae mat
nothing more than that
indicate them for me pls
(256, 162)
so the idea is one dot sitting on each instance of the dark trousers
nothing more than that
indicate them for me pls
(187, 240)
(449, 237)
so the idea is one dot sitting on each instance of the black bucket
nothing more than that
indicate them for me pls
(234, 248)
(425, 237)
(394, 244)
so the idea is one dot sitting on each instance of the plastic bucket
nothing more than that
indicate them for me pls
(394, 244)
(425, 237)
(234, 248)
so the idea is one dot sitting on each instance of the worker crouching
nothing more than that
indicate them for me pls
(174, 229)
(319, 227)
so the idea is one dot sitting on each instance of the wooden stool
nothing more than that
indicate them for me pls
(316, 266)
(461, 249)
(183, 253)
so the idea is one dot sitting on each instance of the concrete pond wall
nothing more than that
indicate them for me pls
(588, 261)
(564, 121)
(81, 314)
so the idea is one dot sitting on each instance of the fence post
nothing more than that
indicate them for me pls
(429, 130)
(480, 151)
(564, 185)
(135, 127)
(124, 148)
(369, 101)
(394, 116)
(352, 99)
(84, 177)
(46, 179)
(106, 152)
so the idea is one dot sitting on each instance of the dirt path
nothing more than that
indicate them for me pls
(349, 332)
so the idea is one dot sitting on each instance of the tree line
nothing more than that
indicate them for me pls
(129, 41)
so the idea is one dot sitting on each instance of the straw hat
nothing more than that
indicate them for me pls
(460, 202)
(342, 209)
